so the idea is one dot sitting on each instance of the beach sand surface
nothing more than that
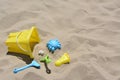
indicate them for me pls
(89, 30)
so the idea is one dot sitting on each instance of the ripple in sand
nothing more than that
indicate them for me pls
(4, 62)
(83, 72)
(12, 19)
(32, 76)
(1, 70)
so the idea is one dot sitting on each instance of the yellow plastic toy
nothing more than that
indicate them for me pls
(63, 60)
(23, 42)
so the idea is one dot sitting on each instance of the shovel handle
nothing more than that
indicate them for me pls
(16, 70)
(47, 69)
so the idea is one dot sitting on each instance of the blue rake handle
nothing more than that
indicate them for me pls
(16, 70)
(33, 64)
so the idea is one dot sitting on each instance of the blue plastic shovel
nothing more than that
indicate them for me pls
(32, 64)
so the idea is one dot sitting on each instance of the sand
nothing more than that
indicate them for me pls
(89, 30)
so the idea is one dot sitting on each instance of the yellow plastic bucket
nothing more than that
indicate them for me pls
(23, 42)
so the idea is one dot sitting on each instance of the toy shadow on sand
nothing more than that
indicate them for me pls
(23, 57)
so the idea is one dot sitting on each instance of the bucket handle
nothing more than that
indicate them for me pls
(19, 44)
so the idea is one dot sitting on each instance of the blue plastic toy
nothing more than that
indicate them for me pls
(33, 64)
(53, 44)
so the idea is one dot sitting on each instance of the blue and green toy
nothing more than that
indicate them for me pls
(46, 60)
